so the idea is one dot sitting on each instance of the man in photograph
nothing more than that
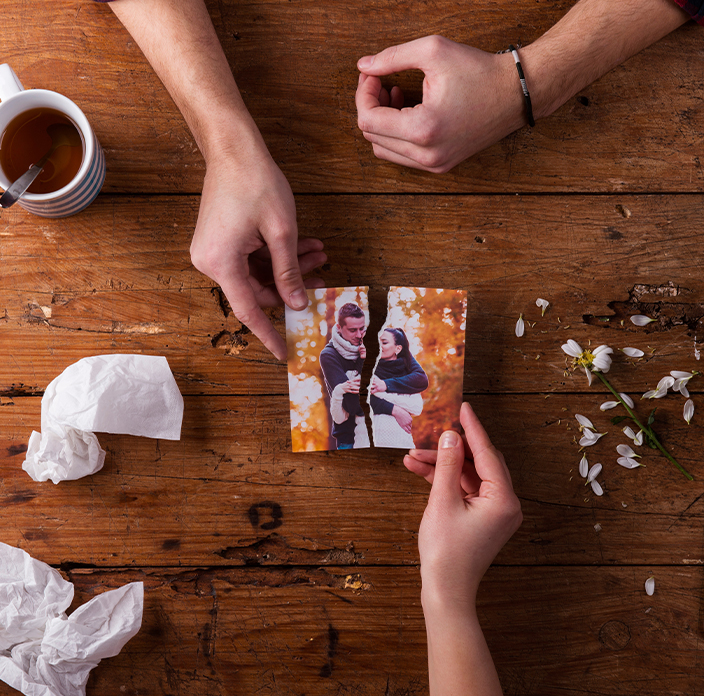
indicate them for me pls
(341, 361)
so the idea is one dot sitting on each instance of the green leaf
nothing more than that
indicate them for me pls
(651, 417)
(618, 419)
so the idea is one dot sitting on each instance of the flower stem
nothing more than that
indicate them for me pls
(646, 429)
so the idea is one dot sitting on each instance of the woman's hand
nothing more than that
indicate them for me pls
(377, 385)
(472, 512)
(403, 418)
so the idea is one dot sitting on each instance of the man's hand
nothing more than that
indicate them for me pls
(403, 418)
(246, 241)
(352, 386)
(471, 99)
(377, 385)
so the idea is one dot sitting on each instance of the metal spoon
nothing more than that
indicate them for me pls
(61, 134)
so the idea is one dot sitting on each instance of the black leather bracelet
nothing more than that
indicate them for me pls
(524, 86)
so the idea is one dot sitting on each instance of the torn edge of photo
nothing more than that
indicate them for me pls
(416, 389)
(326, 353)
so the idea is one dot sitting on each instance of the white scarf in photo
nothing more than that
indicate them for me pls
(346, 349)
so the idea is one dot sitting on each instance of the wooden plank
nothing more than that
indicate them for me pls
(231, 493)
(118, 278)
(300, 90)
(342, 631)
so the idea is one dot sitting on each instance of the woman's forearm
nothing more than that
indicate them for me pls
(178, 39)
(591, 39)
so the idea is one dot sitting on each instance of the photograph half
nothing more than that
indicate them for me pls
(416, 389)
(326, 353)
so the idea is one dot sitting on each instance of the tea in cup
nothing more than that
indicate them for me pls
(31, 122)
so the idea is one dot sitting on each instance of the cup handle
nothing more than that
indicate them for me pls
(9, 82)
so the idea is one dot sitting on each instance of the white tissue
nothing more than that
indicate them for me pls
(121, 394)
(45, 653)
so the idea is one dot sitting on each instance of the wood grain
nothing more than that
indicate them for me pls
(637, 129)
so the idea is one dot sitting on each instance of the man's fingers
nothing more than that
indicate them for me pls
(420, 54)
(449, 464)
(284, 261)
(419, 468)
(305, 246)
(390, 156)
(427, 456)
(268, 296)
(245, 307)
(488, 461)
(373, 117)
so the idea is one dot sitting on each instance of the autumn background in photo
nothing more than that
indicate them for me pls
(307, 333)
(434, 321)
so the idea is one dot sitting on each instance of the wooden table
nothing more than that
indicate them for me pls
(268, 572)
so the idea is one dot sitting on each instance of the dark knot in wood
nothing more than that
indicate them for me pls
(615, 635)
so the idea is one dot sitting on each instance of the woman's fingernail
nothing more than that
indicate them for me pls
(449, 440)
(365, 62)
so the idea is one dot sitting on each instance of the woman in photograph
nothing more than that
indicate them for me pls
(395, 391)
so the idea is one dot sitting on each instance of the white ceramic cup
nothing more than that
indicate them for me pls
(85, 186)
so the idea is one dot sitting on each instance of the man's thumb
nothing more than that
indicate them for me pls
(449, 463)
(390, 60)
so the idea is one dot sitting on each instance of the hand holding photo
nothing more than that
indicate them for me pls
(416, 389)
(326, 353)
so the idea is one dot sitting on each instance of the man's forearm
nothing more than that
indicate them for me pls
(178, 39)
(591, 39)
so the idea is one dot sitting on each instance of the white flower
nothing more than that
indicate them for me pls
(609, 405)
(627, 399)
(572, 348)
(627, 462)
(626, 451)
(681, 379)
(633, 352)
(688, 410)
(584, 422)
(590, 438)
(520, 326)
(598, 490)
(666, 382)
(638, 439)
(543, 304)
(650, 586)
(641, 320)
(594, 472)
(583, 466)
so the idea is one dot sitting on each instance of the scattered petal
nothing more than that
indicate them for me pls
(633, 352)
(589, 376)
(654, 394)
(589, 438)
(584, 422)
(543, 304)
(679, 374)
(594, 472)
(688, 410)
(627, 399)
(641, 320)
(626, 451)
(583, 466)
(629, 432)
(602, 359)
(572, 348)
(684, 391)
(638, 439)
(665, 383)
(607, 405)
(598, 490)
(597, 527)
(520, 326)
(627, 462)
(650, 586)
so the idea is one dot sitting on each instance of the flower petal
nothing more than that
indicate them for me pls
(665, 383)
(627, 399)
(589, 438)
(626, 451)
(607, 405)
(520, 326)
(633, 352)
(641, 320)
(583, 466)
(650, 586)
(679, 374)
(584, 421)
(629, 432)
(684, 391)
(589, 376)
(627, 462)
(688, 410)
(598, 490)
(543, 304)
(638, 439)
(572, 348)
(594, 472)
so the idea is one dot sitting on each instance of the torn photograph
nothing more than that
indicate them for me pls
(326, 353)
(416, 388)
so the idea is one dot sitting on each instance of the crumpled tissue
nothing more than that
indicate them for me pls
(45, 653)
(121, 394)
